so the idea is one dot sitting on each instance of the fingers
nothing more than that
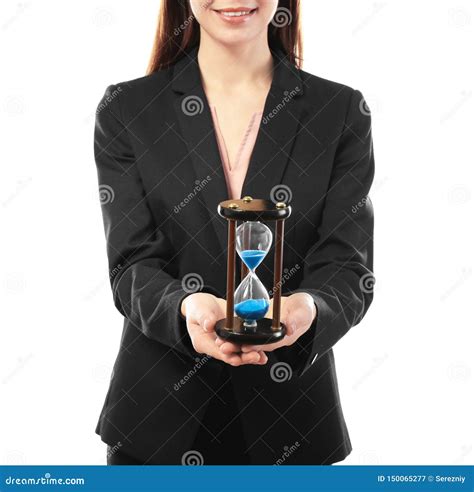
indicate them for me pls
(292, 320)
(227, 347)
(205, 343)
(263, 358)
(270, 347)
(232, 353)
(203, 309)
(287, 317)
(236, 360)
(240, 359)
(207, 320)
(298, 320)
(298, 313)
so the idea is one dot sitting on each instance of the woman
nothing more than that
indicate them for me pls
(225, 111)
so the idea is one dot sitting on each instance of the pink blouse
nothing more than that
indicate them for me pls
(235, 172)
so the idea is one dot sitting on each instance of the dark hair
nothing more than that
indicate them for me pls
(178, 32)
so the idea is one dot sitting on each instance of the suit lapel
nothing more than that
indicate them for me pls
(278, 128)
(195, 120)
(272, 151)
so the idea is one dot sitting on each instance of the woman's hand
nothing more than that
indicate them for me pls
(297, 312)
(202, 311)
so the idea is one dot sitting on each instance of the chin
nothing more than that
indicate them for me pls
(232, 37)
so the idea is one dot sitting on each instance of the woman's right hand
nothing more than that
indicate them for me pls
(202, 311)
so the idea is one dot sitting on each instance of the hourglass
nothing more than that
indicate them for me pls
(251, 301)
(246, 308)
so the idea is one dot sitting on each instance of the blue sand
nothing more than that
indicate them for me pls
(252, 257)
(252, 309)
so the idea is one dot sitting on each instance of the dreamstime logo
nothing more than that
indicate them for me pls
(192, 458)
(108, 99)
(287, 452)
(46, 479)
(459, 195)
(367, 283)
(14, 283)
(106, 194)
(288, 97)
(368, 457)
(199, 363)
(200, 184)
(459, 371)
(14, 457)
(459, 17)
(103, 17)
(282, 17)
(111, 450)
(14, 105)
(192, 282)
(102, 373)
(115, 270)
(192, 105)
(360, 204)
(187, 22)
(287, 274)
(364, 107)
(281, 372)
(281, 193)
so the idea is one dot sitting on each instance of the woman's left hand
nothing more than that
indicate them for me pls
(298, 311)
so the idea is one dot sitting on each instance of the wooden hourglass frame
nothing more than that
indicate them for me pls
(232, 328)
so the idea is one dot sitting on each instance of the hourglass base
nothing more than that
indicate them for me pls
(262, 334)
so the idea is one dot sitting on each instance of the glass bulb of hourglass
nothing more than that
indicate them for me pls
(251, 300)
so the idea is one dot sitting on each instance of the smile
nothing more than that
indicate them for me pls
(236, 15)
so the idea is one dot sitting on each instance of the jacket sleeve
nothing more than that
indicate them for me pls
(338, 267)
(143, 276)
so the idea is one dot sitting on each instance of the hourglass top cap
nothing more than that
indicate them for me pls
(249, 208)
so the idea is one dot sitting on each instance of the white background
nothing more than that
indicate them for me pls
(405, 373)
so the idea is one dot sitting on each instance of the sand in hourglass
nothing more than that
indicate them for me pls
(252, 309)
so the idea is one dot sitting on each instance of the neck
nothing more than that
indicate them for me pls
(245, 64)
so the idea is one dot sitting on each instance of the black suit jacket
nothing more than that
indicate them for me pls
(160, 179)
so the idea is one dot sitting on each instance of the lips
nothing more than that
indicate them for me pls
(236, 14)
